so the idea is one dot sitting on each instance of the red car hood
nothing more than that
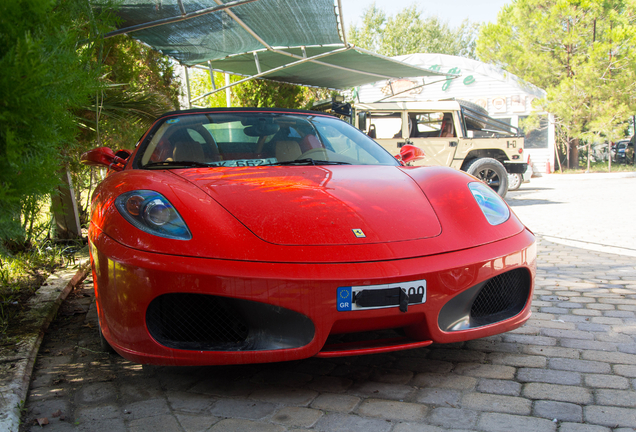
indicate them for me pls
(322, 205)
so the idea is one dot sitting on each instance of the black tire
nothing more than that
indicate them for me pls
(473, 106)
(514, 181)
(491, 172)
(105, 346)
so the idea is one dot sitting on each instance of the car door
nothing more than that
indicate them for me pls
(436, 133)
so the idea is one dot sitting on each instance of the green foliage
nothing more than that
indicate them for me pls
(43, 77)
(408, 33)
(256, 93)
(261, 93)
(582, 53)
(64, 90)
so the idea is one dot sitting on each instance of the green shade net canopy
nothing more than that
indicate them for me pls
(293, 41)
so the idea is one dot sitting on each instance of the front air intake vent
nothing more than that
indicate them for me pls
(488, 302)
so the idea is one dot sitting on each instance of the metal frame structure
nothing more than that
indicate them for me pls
(295, 60)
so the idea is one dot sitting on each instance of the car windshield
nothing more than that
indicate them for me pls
(257, 139)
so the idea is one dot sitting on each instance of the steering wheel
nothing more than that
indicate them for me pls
(313, 154)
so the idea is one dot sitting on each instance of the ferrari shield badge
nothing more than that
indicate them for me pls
(358, 233)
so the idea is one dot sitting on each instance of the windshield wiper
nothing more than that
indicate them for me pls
(309, 161)
(175, 164)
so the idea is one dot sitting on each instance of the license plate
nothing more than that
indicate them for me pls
(380, 296)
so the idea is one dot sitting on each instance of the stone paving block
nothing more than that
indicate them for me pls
(159, 423)
(330, 384)
(613, 337)
(504, 387)
(627, 348)
(609, 357)
(297, 416)
(224, 387)
(530, 340)
(587, 312)
(381, 390)
(497, 403)
(140, 389)
(335, 402)
(496, 422)
(622, 398)
(457, 355)
(607, 320)
(579, 365)
(96, 393)
(552, 351)
(588, 344)
(424, 365)
(606, 381)
(391, 376)
(551, 324)
(282, 377)
(592, 327)
(610, 416)
(403, 411)
(628, 371)
(285, 395)
(146, 408)
(489, 346)
(578, 427)
(619, 314)
(236, 425)
(485, 370)
(97, 413)
(563, 393)
(562, 411)
(452, 381)
(243, 409)
(45, 408)
(418, 427)
(453, 418)
(518, 360)
(189, 402)
(439, 396)
(336, 422)
(567, 334)
(548, 376)
(196, 422)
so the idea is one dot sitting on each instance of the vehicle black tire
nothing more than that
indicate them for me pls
(491, 172)
(514, 181)
(473, 106)
(105, 346)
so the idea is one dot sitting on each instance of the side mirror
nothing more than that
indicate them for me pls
(362, 121)
(470, 134)
(103, 156)
(410, 153)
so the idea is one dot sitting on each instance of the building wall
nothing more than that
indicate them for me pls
(502, 94)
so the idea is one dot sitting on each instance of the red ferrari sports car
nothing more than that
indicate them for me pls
(261, 235)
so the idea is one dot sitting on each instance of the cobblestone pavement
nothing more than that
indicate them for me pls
(571, 368)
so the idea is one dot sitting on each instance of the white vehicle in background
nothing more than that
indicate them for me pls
(453, 133)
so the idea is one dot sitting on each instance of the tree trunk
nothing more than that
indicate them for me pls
(64, 206)
(573, 162)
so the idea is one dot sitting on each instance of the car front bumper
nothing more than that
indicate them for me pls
(177, 310)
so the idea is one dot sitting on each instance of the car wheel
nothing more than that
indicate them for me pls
(491, 172)
(105, 346)
(514, 181)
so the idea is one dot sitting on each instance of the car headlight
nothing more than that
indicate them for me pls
(491, 204)
(151, 212)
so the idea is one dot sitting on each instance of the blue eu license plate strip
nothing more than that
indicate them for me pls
(368, 296)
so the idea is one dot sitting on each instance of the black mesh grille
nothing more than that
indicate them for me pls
(195, 321)
(503, 296)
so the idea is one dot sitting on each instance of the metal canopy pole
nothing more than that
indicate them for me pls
(183, 17)
(272, 71)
